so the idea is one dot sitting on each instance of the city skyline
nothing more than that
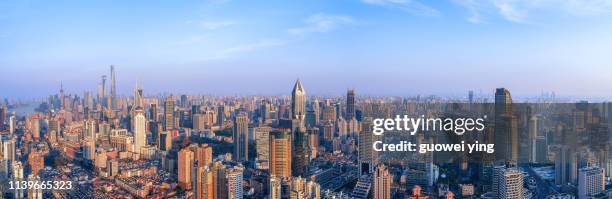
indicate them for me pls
(370, 45)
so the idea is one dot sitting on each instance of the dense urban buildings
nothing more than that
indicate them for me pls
(300, 146)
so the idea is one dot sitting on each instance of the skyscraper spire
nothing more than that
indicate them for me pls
(61, 95)
(298, 101)
(138, 95)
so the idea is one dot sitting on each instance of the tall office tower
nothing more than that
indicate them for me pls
(169, 114)
(234, 182)
(317, 111)
(275, 188)
(89, 149)
(12, 123)
(471, 96)
(184, 101)
(62, 97)
(506, 128)
(3, 110)
(113, 88)
(185, 162)
(35, 126)
(90, 129)
(328, 131)
(264, 111)
(140, 129)
(510, 184)
(329, 114)
(219, 180)
(300, 162)
(153, 113)
(203, 184)
(541, 149)
(350, 104)
(532, 135)
(220, 115)
(88, 100)
(203, 154)
(298, 102)
(53, 126)
(198, 122)
(138, 96)
(35, 160)
(367, 157)
(103, 86)
(311, 119)
(566, 166)
(280, 153)
(313, 142)
(165, 141)
(382, 183)
(8, 149)
(591, 181)
(241, 137)
(262, 144)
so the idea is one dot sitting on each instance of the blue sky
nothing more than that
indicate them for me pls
(379, 47)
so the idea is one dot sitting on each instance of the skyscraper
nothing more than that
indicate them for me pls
(62, 97)
(241, 135)
(169, 114)
(382, 183)
(300, 151)
(12, 122)
(138, 96)
(185, 162)
(367, 156)
(566, 165)
(350, 104)
(234, 182)
(510, 183)
(532, 135)
(140, 136)
(164, 141)
(113, 89)
(591, 181)
(203, 185)
(3, 110)
(203, 154)
(280, 153)
(506, 128)
(102, 99)
(8, 149)
(36, 162)
(262, 144)
(298, 102)
(219, 180)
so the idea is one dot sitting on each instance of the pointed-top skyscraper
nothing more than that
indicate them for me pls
(298, 101)
(138, 96)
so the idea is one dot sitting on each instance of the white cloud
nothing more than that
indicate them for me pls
(322, 23)
(520, 11)
(410, 6)
(512, 10)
